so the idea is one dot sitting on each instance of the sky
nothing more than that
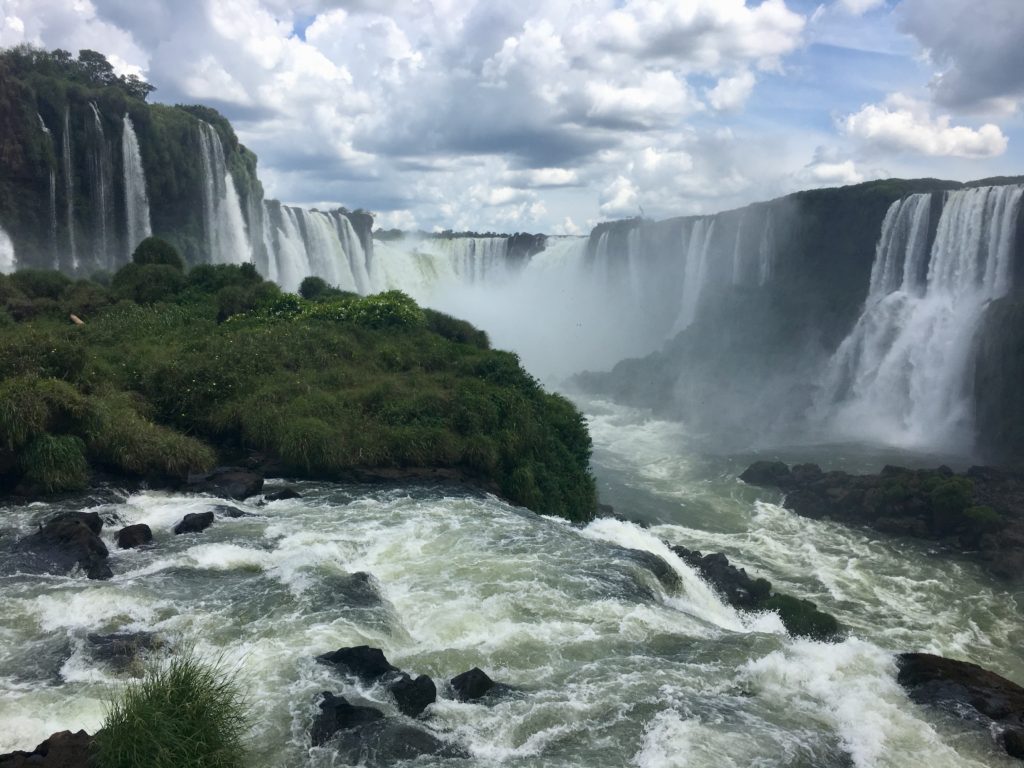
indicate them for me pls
(552, 115)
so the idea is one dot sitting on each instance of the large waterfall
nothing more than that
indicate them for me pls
(901, 376)
(226, 238)
(69, 188)
(136, 201)
(100, 169)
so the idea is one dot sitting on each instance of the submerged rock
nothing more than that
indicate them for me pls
(194, 522)
(122, 649)
(387, 741)
(67, 541)
(362, 661)
(132, 536)
(226, 510)
(413, 696)
(337, 714)
(960, 686)
(800, 617)
(62, 750)
(234, 482)
(283, 494)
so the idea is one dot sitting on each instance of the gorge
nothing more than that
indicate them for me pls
(854, 327)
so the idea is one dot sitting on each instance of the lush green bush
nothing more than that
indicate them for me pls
(40, 283)
(186, 714)
(313, 287)
(156, 250)
(949, 499)
(147, 283)
(55, 464)
(454, 329)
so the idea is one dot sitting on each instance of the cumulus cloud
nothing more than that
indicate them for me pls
(859, 7)
(903, 124)
(731, 93)
(975, 46)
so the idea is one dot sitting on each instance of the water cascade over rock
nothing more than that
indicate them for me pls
(226, 238)
(53, 196)
(902, 375)
(8, 261)
(100, 171)
(69, 188)
(136, 201)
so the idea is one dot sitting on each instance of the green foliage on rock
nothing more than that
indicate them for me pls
(327, 389)
(186, 714)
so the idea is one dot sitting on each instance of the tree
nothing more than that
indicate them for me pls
(156, 250)
(95, 68)
(136, 87)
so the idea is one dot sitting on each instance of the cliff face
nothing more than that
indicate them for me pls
(848, 313)
(88, 168)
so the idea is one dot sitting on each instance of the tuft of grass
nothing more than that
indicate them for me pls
(55, 464)
(184, 714)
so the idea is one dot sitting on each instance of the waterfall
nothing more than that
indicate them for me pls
(136, 201)
(695, 256)
(901, 376)
(52, 197)
(100, 168)
(353, 249)
(766, 250)
(226, 238)
(69, 188)
(8, 261)
(737, 250)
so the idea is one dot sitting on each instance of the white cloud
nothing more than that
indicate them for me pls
(903, 124)
(731, 93)
(542, 177)
(620, 199)
(658, 99)
(859, 7)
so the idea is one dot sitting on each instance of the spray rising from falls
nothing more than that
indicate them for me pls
(226, 239)
(8, 261)
(136, 201)
(901, 376)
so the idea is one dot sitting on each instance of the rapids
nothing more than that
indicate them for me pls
(611, 669)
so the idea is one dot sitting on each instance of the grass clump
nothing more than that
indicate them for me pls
(55, 464)
(185, 714)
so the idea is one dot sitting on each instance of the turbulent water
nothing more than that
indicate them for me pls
(611, 669)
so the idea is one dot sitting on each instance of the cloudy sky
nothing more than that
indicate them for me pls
(551, 115)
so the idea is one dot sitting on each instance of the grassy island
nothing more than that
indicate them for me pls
(161, 372)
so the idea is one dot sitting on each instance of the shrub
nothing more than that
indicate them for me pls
(948, 500)
(391, 309)
(85, 299)
(210, 278)
(40, 283)
(186, 714)
(456, 330)
(313, 287)
(30, 406)
(156, 250)
(147, 283)
(55, 464)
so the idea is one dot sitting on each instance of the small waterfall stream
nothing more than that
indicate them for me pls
(226, 238)
(69, 189)
(100, 169)
(136, 201)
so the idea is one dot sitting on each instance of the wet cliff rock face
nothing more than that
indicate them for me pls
(981, 511)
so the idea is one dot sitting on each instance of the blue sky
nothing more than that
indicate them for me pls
(552, 115)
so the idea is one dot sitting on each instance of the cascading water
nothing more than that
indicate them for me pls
(53, 196)
(901, 375)
(136, 201)
(100, 170)
(766, 250)
(8, 261)
(695, 254)
(226, 238)
(69, 189)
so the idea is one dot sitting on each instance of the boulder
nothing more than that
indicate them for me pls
(960, 687)
(226, 510)
(472, 685)
(362, 661)
(122, 649)
(336, 714)
(773, 474)
(388, 741)
(283, 494)
(67, 541)
(413, 696)
(194, 522)
(234, 482)
(61, 750)
(661, 570)
(132, 536)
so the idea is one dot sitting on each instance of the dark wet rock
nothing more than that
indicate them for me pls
(800, 617)
(132, 536)
(961, 687)
(283, 494)
(413, 695)
(472, 685)
(194, 522)
(122, 649)
(234, 482)
(226, 510)
(981, 511)
(362, 661)
(337, 714)
(61, 750)
(357, 590)
(60, 545)
(387, 741)
(662, 571)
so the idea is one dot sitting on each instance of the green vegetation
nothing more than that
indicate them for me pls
(173, 372)
(156, 250)
(186, 714)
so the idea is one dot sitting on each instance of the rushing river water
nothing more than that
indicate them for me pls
(610, 668)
